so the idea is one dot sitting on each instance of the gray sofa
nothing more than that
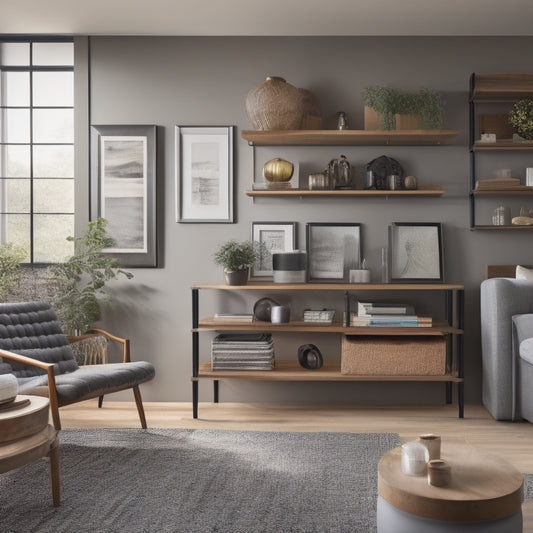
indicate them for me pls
(502, 394)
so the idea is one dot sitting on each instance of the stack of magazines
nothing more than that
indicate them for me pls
(242, 351)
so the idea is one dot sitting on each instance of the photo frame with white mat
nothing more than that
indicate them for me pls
(123, 190)
(272, 237)
(415, 252)
(333, 249)
(204, 174)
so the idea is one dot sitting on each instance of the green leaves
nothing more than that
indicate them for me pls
(234, 255)
(83, 277)
(521, 118)
(10, 258)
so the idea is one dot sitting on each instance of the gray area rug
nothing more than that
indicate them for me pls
(173, 480)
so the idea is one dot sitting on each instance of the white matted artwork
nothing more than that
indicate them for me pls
(333, 249)
(272, 237)
(415, 252)
(123, 189)
(204, 174)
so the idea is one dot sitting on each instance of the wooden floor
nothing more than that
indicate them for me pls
(511, 440)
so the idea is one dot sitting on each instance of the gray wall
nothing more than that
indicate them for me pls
(204, 81)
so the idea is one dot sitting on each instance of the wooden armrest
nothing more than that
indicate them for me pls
(52, 390)
(125, 342)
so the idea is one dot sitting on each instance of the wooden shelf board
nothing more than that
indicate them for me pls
(502, 87)
(292, 371)
(438, 328)
(502, 228)
(509, 191)
(347, 137)
(480, 146)
(271, 286)
(423, 190)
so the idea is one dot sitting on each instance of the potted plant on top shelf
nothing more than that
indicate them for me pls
(388, 108)
(521, 118)
(237, 258)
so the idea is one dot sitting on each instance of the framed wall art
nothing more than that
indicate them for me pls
(123, 190)
(415, 252)
(272, 237)
(204, 174)
(333, 249)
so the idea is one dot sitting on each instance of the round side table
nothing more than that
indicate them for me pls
(484, 495)
(26, 436)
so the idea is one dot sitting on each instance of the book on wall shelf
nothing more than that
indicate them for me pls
(373, 309)
(391, 321)
(242, 351)
(240, 318)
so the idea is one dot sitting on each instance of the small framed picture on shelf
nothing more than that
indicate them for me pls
(204, 174)
(333, 249)
(272, 237)
(415, 252)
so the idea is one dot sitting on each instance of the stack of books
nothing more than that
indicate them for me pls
(491, 184)
(237, 318)
(388, 315)
(242, 351)
(324, 316)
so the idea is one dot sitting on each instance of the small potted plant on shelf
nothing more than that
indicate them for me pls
(237, 258)
(521, 118)
(388, 108)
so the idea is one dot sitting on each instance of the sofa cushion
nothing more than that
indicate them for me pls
(31, 329)
(526, 350)
(92, 380)
(524, 273)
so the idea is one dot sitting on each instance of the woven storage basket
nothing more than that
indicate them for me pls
(392, 356)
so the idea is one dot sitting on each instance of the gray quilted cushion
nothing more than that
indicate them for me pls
(94, 380)
(31, 329)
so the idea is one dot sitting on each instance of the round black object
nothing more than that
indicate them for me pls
(309, 357)
(382, 167)
(263, 308)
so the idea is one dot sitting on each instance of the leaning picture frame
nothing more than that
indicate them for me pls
(123, 190)
(271, 237)
(415, 252)
(333, 249)
(204, 174)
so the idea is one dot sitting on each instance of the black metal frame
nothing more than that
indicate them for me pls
(31, 68)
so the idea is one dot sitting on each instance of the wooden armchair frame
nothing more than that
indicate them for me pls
(52, 389)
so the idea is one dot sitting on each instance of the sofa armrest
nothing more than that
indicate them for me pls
(500, 299)
(52, 390)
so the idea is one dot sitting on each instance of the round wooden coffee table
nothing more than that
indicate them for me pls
(25, 436)
(484, 495)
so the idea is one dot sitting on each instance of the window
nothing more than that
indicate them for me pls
(37, 146)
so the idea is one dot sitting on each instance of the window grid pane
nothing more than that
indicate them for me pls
(36, 148)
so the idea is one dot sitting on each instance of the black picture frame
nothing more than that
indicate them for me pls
(415, 252)
(333, 249)
(206, 197)
(123, 184)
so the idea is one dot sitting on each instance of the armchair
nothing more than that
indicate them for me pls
(33, 348)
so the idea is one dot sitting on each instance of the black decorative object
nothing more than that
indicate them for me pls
(309, 357)
(378, 169)
(263, 308)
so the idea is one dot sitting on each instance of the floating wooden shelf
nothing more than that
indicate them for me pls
(423, 190)
(292, 371)
(347, 137)
(271, 286)
(502, 87)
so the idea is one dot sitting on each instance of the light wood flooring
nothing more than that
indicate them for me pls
(511, 440)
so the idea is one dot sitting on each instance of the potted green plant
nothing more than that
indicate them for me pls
(521, 118)
(82, 279)
(397, 109)
(237, 258)
(10, 271)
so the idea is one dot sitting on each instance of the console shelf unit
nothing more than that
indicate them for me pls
(287, 370)
(492, 89)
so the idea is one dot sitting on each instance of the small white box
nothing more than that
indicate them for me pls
(529, 177)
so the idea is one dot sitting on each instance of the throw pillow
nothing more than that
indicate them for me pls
(524, 273)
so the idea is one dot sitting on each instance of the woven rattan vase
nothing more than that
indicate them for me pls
(275, 105)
